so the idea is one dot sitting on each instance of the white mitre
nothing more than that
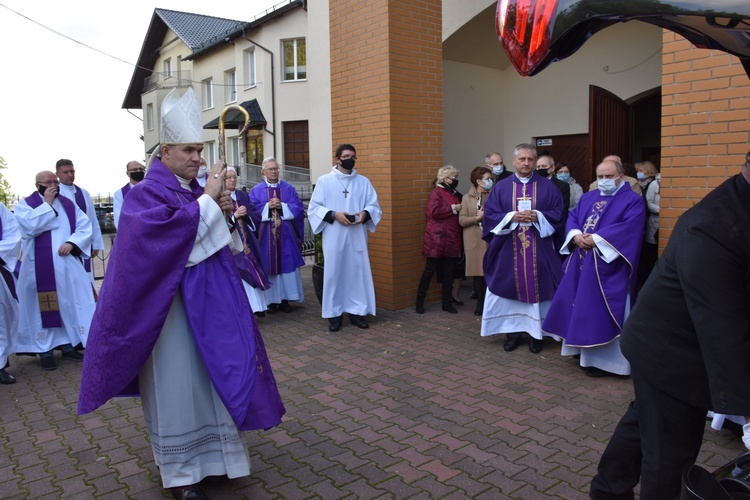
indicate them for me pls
(181, 119)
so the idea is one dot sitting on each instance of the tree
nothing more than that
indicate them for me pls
(6, 195)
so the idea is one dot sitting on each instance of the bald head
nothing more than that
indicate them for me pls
(45, 176)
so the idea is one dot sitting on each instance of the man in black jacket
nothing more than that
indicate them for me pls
(545, 166)
(688, 342)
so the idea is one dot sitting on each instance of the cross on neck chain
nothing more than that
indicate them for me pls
(346, 190)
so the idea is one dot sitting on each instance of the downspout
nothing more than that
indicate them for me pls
(273, 93)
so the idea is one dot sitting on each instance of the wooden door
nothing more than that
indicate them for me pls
(609, 130)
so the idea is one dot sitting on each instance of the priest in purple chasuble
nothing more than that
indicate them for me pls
(55, 297)
(603, 240)
(10, 250)
(281, 233)
(247, 219)
(175, 326)
(521, 266)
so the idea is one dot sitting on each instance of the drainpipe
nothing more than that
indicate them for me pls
(273, 93)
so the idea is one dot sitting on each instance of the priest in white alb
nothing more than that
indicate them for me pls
(55, 298)
(343, 207)
(10, 248)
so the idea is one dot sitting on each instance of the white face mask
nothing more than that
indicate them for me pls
(202, 171)
(498, 169)
(607, 186)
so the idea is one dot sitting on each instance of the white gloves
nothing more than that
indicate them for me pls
(746, 435)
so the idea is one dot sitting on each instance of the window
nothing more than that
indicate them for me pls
(250, 80)
(233, 155)
(295, 60)
(167, 68)
(296, 144)
(149, 116)
(209, 153)
(230, 85)
(208, 93)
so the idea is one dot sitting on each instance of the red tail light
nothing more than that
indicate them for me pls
(524, 28)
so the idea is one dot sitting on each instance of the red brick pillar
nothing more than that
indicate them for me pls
(386, 100)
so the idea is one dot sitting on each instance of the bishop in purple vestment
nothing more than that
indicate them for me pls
(521, 266)
(604, 234)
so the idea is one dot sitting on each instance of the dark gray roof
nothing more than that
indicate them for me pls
(197, 30)
(234, 119)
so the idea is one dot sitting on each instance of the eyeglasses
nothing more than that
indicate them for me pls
(137, 170)
(346, 157)
(55, 183)
(272, 169)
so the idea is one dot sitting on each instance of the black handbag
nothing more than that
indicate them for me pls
(729, 482)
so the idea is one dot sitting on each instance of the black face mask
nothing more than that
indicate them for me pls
(137, 176)
(544, 172)
(454, 185)
(347, 164)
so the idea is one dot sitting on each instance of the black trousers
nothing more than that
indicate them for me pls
(655, 440)
(447, 267)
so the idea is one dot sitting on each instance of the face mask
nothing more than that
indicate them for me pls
(202, 171)
(606, 186)
(454, 183)
(565, 177)
(347, 164)
(498, 169)
(488, 183)
(543, 172)
(43, 188)
(138, 176)
(641, 176)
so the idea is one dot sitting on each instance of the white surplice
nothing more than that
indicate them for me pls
(10, 246)
(347, 278)
(97, 242)
(191, 432)
(74, 293)
(117, 201)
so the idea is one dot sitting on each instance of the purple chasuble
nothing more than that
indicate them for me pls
(521, 265)
(280, 240)
(7, 276)
(250, 268)
(44, 264)
(589, 307)
(161, 221)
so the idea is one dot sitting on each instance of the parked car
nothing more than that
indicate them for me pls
(106, 217)
(536, 33)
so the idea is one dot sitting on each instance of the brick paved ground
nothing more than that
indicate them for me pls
(414, 407)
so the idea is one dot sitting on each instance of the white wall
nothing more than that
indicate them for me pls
(319, 80)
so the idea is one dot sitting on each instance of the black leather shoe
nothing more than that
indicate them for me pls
(6, 378)
(48, 364)
(334, 324)
(450, 309)
(511, 343)
(535, 346)
(457, 302)
(260, 314)
(272, 308)
(189, 493)
(478, 312)
(285, 307)
(595, 372)
(358, 321)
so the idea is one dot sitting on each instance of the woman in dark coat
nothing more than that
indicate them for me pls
(443, 240)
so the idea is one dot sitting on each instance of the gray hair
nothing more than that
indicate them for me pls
(268, 159)
(445, 172)
(489, 155)
(521, 146)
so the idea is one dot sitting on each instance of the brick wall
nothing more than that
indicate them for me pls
(705, 124)
(386, 99)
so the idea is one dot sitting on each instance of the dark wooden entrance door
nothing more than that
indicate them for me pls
(609, 129)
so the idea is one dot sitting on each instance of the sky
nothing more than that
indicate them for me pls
(47, 75)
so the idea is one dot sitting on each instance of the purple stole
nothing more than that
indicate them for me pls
(274, 235)
(249, 269)
(5, 273)
(524, 249)
(81, 202)
(126, 189)
(44, 266)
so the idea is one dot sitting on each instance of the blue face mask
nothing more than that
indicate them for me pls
(565, 177)
(606, 186)
(498, 169)
(641, 176)
(487, 184)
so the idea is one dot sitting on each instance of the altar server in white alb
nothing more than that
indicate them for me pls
(55, 298)
(10, 248)
(344, 206)
(66, 174)
(135, 172)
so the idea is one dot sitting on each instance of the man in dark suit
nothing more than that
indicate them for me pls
(688, 342)
(545, 166)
